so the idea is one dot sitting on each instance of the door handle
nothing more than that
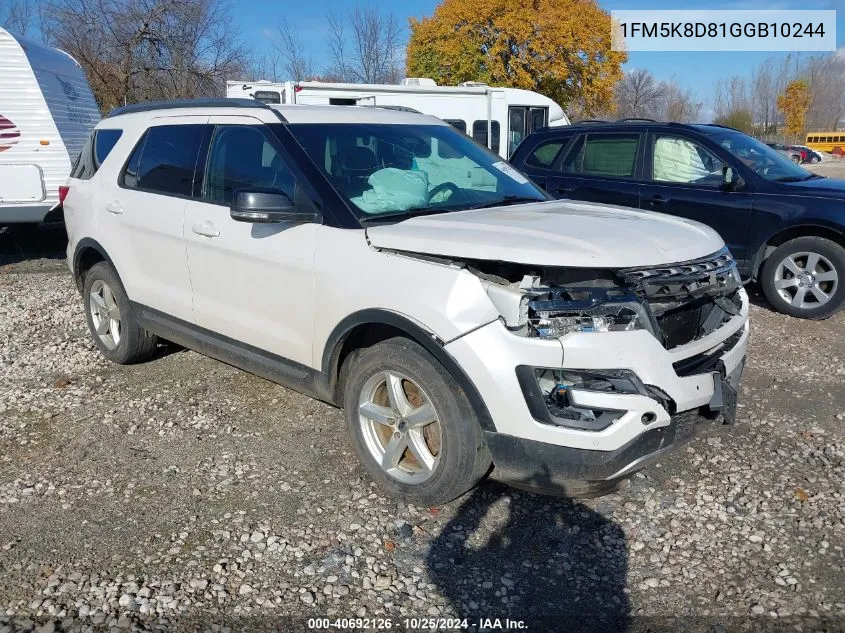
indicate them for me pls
(114, 207)
(206, 229)
(563, 190)
(657, 199)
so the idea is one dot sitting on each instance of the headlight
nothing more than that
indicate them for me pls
(565, 310)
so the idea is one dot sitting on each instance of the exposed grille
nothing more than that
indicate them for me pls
(689, 300)
(707, 361)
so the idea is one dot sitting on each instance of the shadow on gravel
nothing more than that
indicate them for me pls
(21, 245)
(551, 562)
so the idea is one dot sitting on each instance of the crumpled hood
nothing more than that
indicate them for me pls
(554, 233)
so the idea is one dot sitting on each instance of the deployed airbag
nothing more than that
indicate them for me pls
(394, 190)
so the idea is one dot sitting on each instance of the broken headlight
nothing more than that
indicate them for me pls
(563, 310)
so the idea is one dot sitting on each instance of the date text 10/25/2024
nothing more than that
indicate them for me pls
(417, 624)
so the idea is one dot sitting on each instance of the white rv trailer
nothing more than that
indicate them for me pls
(47, 112)
(496, 117)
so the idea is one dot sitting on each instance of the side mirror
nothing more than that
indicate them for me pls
(730, 179)
(266, 206)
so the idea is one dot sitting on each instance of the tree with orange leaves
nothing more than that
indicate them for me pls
(560, 48)
(794, 103)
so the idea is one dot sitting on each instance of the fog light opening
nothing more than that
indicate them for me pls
(648, 417)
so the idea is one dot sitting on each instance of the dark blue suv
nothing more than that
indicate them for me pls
(784, 225)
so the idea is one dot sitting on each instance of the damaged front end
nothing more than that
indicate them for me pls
(677, 304)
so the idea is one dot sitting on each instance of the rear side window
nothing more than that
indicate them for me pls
(96, 148)
(104, 142)
(610, 155)
(479, 133)
(545, 153)
(164, 160)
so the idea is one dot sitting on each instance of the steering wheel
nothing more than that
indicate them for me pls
(442, 188)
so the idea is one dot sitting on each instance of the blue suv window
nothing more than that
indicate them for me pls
(611, 155)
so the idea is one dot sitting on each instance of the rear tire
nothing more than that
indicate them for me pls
(110, 318)
(805, 278)
(412, 427)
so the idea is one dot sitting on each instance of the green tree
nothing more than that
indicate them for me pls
(740, 118)
(560, 48)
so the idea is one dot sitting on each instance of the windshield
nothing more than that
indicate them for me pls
(765, 161)
(402, 170)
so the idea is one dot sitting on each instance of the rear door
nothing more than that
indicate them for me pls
(599, 167)
(683, 177)
(144, 214)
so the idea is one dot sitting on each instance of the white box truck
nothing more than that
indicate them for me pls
(47, 112)
(498, 118)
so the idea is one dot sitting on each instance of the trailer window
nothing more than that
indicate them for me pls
(479, 133)
(458, 124)
(267, 96)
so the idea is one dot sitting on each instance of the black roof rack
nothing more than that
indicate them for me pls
(635, 119)
(210, 102)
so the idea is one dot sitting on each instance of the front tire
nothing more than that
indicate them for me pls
(110, 318)
(412, 427)
(805, 278)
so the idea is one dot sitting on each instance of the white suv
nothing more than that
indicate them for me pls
(384, 262)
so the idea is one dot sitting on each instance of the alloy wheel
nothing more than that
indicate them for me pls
(400, 427)
(105, 314)
(806, 280)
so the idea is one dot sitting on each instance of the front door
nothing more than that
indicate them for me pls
(684, 178)
(253, 283)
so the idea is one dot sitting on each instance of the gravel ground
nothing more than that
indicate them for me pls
(183, 494)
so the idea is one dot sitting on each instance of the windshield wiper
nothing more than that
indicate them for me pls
(507, 200)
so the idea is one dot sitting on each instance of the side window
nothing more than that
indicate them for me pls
(94, 152)
(544, 155)
(479, 133)
(267, 96)
(682, 160)
(104, 142)
(611, 155)
(458, 124)
(244, 157)
(130, 172)
(164, 160)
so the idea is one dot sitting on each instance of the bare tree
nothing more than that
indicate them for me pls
(639, 94)
(825, 77)
(134, 50)
(364, 46)
(296, 63)
(679, 104)
(269, 66)
(17, 16)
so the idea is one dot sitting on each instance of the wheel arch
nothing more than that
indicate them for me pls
(367, 327)
(87, 253)
(791, 233)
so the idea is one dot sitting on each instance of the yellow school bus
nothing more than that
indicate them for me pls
(826, 141)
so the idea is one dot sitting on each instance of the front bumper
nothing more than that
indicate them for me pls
(523, 446)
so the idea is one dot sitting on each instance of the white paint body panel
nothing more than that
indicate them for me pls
(285, 288)
(554, 233)
(44, 93)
